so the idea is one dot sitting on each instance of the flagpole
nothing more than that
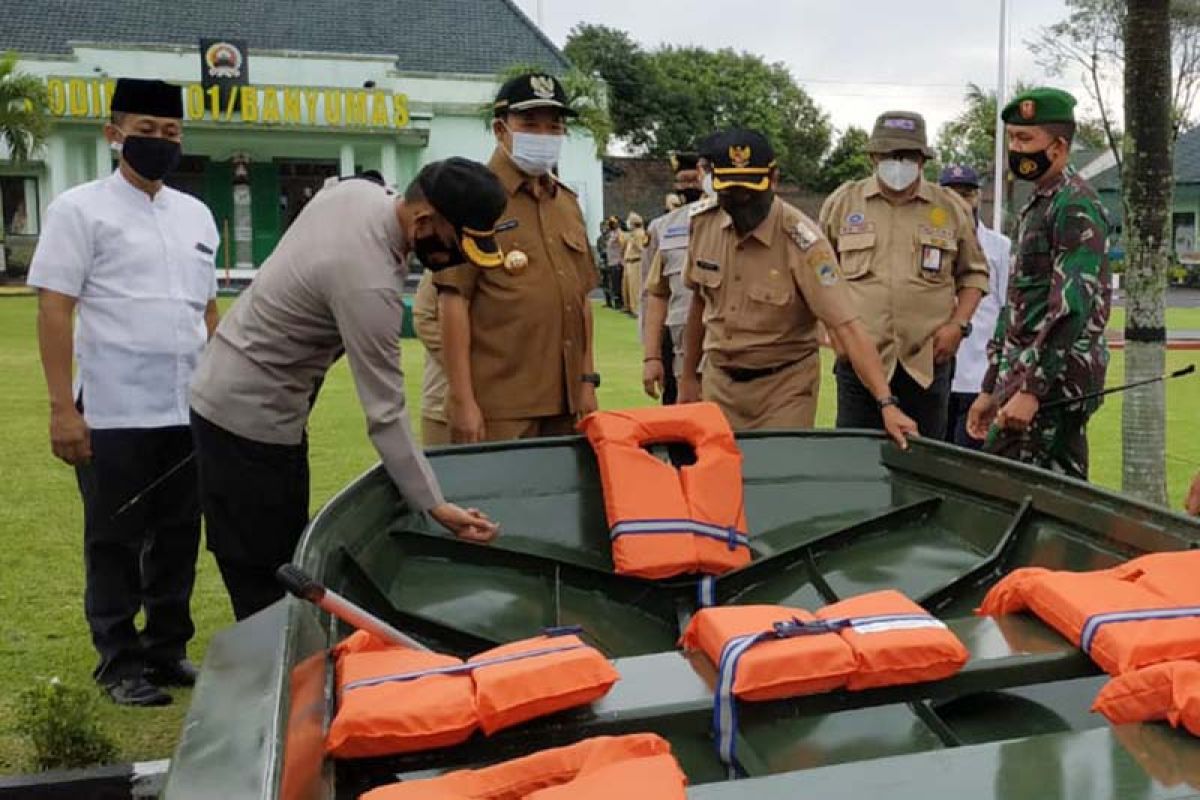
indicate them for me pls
(1001, 146)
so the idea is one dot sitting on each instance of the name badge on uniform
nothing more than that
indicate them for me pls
(931, 259)
(711, 266)
(203, 248)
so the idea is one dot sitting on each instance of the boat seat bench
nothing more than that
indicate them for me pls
(675, 689)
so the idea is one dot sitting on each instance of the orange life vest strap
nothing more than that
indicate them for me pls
(725, 704)
(730, 535)
(1093, 624)
(469, 666)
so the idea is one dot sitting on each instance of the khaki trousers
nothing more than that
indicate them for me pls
(785, 399)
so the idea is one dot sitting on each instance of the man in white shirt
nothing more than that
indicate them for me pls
(971, 361)
(135, 260)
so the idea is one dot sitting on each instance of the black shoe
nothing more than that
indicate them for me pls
(172, 673)
(136, 692)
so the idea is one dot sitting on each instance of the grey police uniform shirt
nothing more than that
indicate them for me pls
(672, 243)
(334, 282)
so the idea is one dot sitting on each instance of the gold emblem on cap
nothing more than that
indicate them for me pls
(1027, 109)
(739, 155)
(515, 262)
(542, 85)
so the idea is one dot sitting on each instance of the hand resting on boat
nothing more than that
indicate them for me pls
(470, 524)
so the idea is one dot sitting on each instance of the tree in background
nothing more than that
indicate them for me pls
(665, 99)
(24, 110)
(1151, 126)
(1091, 43)
(623, 66)
(699, 91)
(847, 161)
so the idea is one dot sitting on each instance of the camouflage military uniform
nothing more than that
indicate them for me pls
(1049, 340)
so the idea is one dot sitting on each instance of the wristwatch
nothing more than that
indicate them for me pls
(591, 377)
(966, 328)
(890, 400)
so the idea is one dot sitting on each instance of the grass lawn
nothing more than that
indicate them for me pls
(42, 630)
(1177, 319)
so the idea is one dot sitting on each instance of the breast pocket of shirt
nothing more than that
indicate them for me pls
(935, 256)
(768, 303)
(708, 278)
(856, 251)
(200, 274)
(575, 250)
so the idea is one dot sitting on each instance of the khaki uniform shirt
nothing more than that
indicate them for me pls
(528, 330)
(429, 331)
(763, 293)
(667, 253)
(904, 265)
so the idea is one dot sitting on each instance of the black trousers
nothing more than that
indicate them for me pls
(255, 501)
(143, 558)
(607, 285)
(956, 421)
(857, 407)
(670, 389)
(616, 276)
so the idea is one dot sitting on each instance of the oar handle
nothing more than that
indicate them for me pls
(300, 584)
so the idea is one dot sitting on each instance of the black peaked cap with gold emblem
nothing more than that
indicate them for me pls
(532, 90)
(741, 157)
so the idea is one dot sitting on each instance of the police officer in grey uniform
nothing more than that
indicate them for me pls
(667, 298)
(332, 285)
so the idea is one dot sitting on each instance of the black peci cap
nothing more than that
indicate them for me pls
(470, 197)
(741, 157)
(532, 90)
(153, 98)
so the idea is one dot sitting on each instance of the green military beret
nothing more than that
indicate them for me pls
(1039, 106)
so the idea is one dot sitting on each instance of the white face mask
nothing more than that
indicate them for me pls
(536, 153)
(898, 175)
(707, 186)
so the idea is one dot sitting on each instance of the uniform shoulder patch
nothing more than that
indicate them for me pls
(702, 206)
(802, 232)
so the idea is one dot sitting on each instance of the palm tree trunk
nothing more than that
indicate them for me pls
(1148, 186)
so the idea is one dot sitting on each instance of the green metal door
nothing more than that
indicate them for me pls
(264, 209)
(218, 193)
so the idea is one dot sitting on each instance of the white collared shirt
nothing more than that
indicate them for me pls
(971, 361)
(143, 272)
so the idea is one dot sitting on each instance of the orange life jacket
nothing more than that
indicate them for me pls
(1169, 691)
(396, 700)
(663, 521)
(1145, 611)
(772, 652)
(639, 765)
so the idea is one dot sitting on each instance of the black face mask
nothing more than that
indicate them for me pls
(150, 156)
(435, 255)
(746, 208)
(1029, 166)
(691, 194)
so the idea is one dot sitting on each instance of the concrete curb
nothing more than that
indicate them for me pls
(141, 780)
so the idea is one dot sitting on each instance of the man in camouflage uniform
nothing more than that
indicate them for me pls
(1049, 341)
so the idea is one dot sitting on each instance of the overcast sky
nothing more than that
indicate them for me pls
(856, 58)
